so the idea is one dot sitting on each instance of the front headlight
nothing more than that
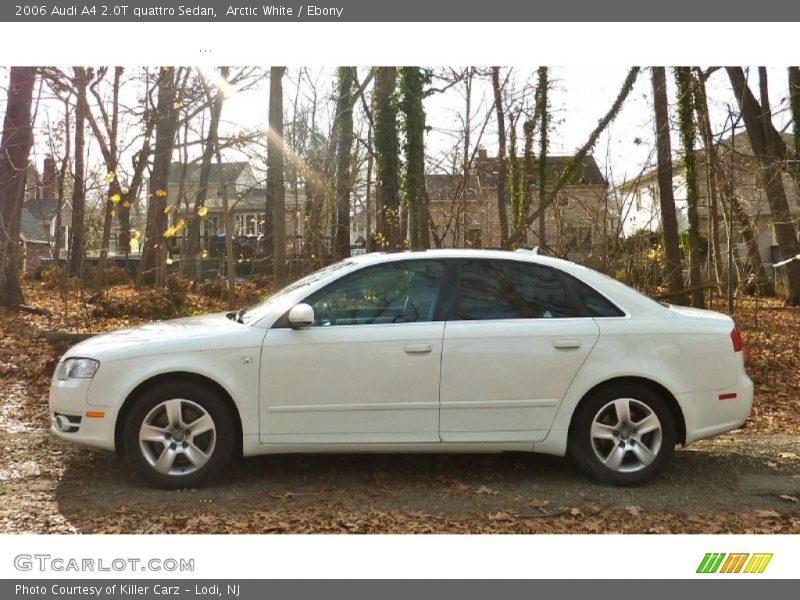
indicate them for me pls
(77, 368)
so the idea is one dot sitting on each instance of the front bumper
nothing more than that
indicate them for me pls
(711, 413)
(73, 419)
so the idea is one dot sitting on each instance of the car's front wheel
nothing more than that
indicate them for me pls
(179, 435)
(623, 435)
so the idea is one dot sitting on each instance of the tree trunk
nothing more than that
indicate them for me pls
(230, 267)
(15, 147)
(193, 234)
(344, 179)
(114, 196)
(152, 266)
(703, 122)
(767, 146)
(502, 170)
(78, 232)
(411, 84)
(276, 191)
(387, 163)
(688, 132)
(669, 221)
(542, 109)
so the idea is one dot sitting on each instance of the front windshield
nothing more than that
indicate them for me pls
(257, 311)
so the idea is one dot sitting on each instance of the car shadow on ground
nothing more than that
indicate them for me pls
(98, 483)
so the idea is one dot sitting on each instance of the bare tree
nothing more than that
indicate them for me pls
(387, 168)
(166, 129)
(502, 168)
(770, 152)
(669, 221)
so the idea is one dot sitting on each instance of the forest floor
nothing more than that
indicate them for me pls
(747, 481)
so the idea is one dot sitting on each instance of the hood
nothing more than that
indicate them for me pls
(191, 334)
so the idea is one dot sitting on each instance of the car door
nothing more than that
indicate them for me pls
(514, 340)
(367, 371)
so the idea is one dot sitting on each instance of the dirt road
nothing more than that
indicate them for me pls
(742, 482)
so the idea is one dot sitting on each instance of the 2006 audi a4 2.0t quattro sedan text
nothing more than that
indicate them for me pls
(434, 351)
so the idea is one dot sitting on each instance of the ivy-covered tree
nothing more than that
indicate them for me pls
(542, 109)
(412, 81)
(688, 132)
(344, 183)
(387, 161)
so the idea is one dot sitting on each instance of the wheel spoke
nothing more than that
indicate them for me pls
(196, 456)
(643, 453)
(601, 431)
(201, 425)
(165, 461)
(623, 410)
(648, 424)
(151, 433)
(614, 459)
(173, 410)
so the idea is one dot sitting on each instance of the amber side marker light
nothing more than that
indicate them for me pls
(95, 414)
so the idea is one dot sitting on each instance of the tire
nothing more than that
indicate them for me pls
(179, 435)
(620, 450)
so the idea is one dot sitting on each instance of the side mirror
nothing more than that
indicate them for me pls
(301, 315)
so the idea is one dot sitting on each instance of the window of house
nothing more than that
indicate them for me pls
(396, 292)
(210, 226)
(250, 223)
(492, 289)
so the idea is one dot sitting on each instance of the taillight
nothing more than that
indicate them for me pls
(736, 338)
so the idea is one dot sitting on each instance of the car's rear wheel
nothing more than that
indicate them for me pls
(623, 434)
(179, 435)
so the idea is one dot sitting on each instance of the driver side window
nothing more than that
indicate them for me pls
(395, 292)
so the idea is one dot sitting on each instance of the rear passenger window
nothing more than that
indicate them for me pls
(596, 304)
(511, 290)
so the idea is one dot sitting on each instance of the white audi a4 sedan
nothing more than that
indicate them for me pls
(433, 351)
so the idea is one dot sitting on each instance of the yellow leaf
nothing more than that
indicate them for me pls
(170, 261)
(167, 209)
(110, 177)
(115, 198)
(169, 232)
(205, 254)
(177, 106)
(161, 193)
(202, 211)
(113, 213)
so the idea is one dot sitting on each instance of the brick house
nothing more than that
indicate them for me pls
(639, 198)
(576, 223)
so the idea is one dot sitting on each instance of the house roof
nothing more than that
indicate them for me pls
(588, 173)
(230, 171)
(37, 214)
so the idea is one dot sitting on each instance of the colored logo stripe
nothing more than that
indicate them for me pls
(758, 563)
(713, 562)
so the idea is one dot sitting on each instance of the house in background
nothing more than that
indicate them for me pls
(247, 199)
(39, 215)
(576, 223)
(640, 208)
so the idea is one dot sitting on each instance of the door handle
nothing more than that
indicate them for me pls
(567, 344)
(418, 348)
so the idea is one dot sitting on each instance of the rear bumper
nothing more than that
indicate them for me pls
(711, 413)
